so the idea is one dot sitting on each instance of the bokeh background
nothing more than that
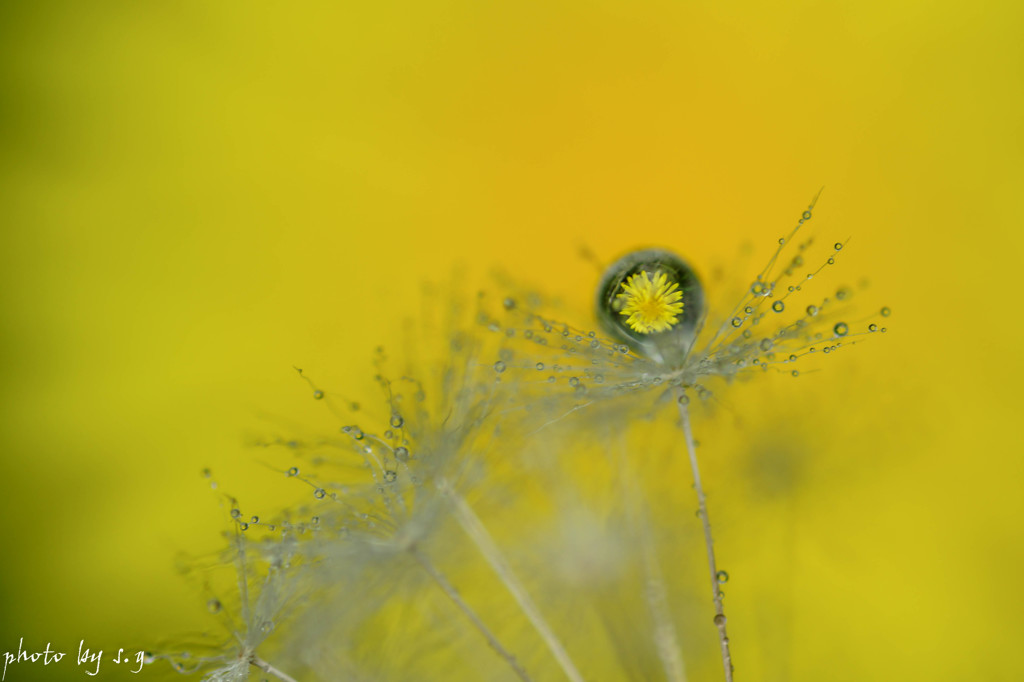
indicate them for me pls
(199, 196)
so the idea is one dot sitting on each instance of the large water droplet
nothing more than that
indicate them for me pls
(778, 306)
(652, 301)
(841, 329)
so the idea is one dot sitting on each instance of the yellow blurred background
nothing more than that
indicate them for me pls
(199, 196)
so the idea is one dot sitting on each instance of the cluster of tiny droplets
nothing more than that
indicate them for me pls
(263, 580)
(765, 331)
(559, 357)
(751, 337)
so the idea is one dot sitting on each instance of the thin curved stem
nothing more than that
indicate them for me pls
(476, 530)
(665, 639)
(456, 599)
(716, 592)
(258, 662)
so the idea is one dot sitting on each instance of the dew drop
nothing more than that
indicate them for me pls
(243, 526)
(294, 471)
(812, 310)
(766, 345)
(213, 606)
(736, 322)
(684, 399)
(315, 520)
(841, 329)
(792, 358)
(499, 367)
(872, 327)
(757, 288)
(664, 327)
(722, 576)
(236, 513)
(508, 303)
(402, 454)
(574, 381)
(397, 420)
(254, 519)
(318, 394)
(841, 294)
(720, 620)
(795, 372)
(838, 246)
(540, 366)
(886, 312)
(806, 215)
(778, 306)
(390, 475)
(319, 493)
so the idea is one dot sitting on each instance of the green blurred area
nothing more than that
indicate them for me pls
(199, 197)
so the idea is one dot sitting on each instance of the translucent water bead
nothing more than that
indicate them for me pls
(652, 301)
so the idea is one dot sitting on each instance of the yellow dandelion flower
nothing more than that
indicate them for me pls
(650, 302)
